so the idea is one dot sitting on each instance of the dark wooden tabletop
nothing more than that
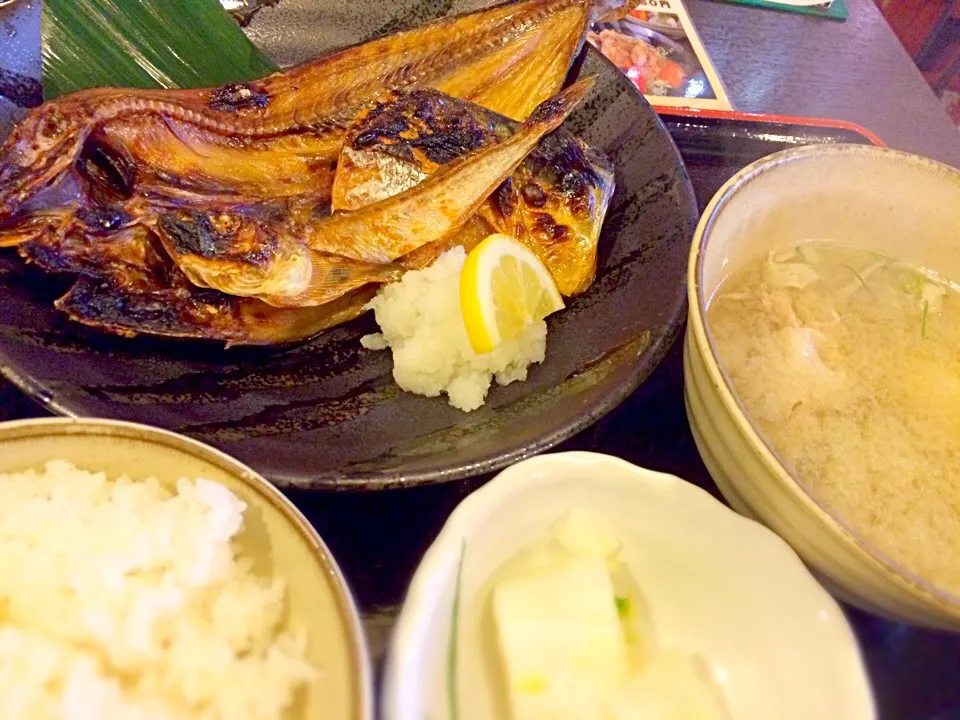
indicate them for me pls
(792, 64)
(771, 62)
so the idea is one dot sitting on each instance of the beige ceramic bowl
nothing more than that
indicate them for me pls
(888, 201)
(276, 536)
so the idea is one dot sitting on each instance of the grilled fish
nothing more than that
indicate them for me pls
(554, 201)
(128, 285)
(194, 143)
(212, 214)
(191, 312)
(293, 265)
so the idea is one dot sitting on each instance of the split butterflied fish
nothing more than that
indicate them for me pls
(281, 136)
(251, 276)
(238, 213)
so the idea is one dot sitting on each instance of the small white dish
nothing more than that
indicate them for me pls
(715, 583)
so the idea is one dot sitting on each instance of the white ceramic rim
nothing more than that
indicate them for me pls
(697, 321)
(347, 607)
(522, 475)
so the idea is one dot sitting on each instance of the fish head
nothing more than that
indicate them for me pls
(37, 152)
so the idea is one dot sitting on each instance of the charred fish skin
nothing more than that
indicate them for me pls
(442, 204)
(131, 259)
(427, 129)
(256, 256)
(102, 304)
(218, 235)
(193, 313)
(418, 127)
(236, 97)
(405, 139)
(555, 204)
(128, 286)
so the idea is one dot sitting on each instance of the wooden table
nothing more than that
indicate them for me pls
(855, 71)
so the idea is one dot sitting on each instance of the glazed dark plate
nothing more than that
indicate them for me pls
(326, 413)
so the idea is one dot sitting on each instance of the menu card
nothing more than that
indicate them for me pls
(657, 47)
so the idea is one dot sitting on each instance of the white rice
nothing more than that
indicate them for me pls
(420, 319)
(119, 599)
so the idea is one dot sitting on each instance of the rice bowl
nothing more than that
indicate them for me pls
(281, 577)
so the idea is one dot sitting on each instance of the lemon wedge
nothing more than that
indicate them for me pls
(503, 288)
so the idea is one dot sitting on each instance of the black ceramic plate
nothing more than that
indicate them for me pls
(327, 413)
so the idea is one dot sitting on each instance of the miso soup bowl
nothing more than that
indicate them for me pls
(879, 199)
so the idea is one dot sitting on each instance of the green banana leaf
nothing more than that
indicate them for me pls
(143, 44)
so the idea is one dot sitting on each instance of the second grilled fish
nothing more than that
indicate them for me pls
(554, 202)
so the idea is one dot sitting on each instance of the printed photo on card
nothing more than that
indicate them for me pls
(656, 46)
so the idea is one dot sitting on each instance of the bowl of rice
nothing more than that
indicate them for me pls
(149, 576)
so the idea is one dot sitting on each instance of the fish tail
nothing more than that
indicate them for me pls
(553, 111)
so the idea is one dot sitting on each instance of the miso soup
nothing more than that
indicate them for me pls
(848, 363)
